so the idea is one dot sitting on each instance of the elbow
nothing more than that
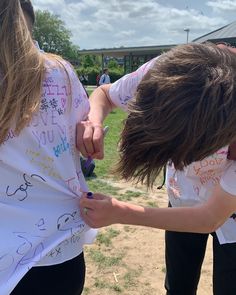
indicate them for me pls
(105, 89)
(205, 230)
(210, 229)
(211, 225)
(210, 220)
(216, 225)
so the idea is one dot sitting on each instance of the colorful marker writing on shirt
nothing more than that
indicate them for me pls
(89, 159)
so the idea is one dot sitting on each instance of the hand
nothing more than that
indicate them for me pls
(99, 211)
(90, 139)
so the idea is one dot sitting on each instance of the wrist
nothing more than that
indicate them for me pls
(92, 123)
(95, 123)
(126, 213)
(119, 211)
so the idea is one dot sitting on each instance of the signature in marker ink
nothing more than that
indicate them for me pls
(23, 187)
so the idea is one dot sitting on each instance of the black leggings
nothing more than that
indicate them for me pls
(184, 256)
(61, 279)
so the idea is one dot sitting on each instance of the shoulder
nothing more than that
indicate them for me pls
(57, 67)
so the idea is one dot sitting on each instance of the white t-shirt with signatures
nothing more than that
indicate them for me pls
(41, 183)
(194, 184)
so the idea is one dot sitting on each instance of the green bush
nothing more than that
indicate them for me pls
(92, 73)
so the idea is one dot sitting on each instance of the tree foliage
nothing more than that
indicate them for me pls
(53, 36)
(113, 64)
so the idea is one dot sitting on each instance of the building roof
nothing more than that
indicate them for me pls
(122, 51)
(227, 32)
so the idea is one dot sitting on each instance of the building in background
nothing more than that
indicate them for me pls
(133, 57)
(130, 57)
(224, 34)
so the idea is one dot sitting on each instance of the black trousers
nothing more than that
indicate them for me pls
(184, 256)
(62, 279)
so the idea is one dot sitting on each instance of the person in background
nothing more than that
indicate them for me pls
(86, 80)
(178, 115)
(98, 78)
(42, 231)
(105, 78)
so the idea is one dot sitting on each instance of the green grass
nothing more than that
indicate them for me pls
(115, 122)
(131, 277)
(129, 195)
(152, 204)
(89, 91)
(105, 238)
(104, 261)
(95, 185)
(101, 284)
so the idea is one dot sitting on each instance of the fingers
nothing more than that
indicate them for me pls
(93, 203)
(86, 215)
(98, 142)
(95, 211)
(89, 139)
(79, 139)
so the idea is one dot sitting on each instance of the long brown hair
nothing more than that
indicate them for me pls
(21, 70)
(27, 8)
(184, 110)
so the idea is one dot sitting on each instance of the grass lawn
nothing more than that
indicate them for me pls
(115, 123)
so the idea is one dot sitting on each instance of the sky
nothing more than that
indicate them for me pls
(115, 23)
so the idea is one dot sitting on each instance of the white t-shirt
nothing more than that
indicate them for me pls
(195, 184)
(124, 89)
(105, 79)
(41, 182)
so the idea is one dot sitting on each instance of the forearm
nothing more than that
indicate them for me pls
(186, 219)
(100, 105)
(204, 218)
(90, 133)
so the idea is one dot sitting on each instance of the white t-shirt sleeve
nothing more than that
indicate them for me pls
(228, 179)
(123, 89)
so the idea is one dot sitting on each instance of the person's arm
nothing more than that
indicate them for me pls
(100, 104)
(102, 101)
(206, 218)
(90, 132)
